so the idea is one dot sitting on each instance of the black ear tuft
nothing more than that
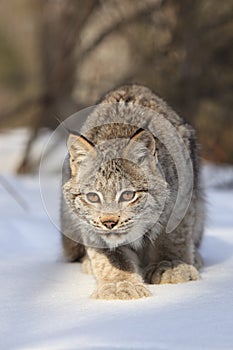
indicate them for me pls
(78, 146)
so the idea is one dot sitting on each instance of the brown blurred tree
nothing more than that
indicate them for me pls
(192, 67)
(62, 23)
(181, 49)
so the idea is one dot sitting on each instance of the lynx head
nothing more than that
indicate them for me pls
(115, 189)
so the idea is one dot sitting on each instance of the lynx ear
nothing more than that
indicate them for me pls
(78, 147)
(139, 145)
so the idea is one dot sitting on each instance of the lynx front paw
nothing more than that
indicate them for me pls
(174, 271)
(123, 290)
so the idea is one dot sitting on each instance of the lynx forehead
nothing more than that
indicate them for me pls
(131, 202)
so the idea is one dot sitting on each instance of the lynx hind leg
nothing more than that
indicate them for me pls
(73, 251)
(174, 271)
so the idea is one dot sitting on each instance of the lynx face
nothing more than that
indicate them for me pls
(115, 189)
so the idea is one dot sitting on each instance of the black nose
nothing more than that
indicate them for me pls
(109, 224)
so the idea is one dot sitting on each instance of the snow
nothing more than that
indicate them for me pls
(45, 303)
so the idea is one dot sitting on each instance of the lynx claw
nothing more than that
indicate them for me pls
(122, 290)
(174, 271)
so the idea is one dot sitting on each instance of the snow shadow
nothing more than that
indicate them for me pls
(215, 250)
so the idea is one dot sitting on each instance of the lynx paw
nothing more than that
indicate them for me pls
(174, 271)
(123, 290)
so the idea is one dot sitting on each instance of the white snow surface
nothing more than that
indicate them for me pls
(45, 302)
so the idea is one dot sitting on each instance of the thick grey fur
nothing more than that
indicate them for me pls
(137, 107)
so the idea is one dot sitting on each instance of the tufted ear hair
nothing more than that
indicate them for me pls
(78, 146)
(140, 145)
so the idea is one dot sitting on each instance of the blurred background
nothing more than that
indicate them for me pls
(59, 56)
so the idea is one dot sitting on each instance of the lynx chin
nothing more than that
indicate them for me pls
(132, 209)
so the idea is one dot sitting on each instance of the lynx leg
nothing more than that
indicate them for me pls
(198, 261)
(176, 259)
(117, 275)
(86, 265)
(73, 251)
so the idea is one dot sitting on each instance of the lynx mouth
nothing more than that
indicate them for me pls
(115, 232)
(112, 233)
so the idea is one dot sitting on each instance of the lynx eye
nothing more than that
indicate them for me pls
(127, 196)
(93, 197)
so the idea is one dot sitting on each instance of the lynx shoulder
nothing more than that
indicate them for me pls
(132, 207)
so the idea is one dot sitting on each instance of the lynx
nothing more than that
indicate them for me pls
(132, 207)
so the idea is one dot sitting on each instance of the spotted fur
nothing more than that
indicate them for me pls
(126, 244)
